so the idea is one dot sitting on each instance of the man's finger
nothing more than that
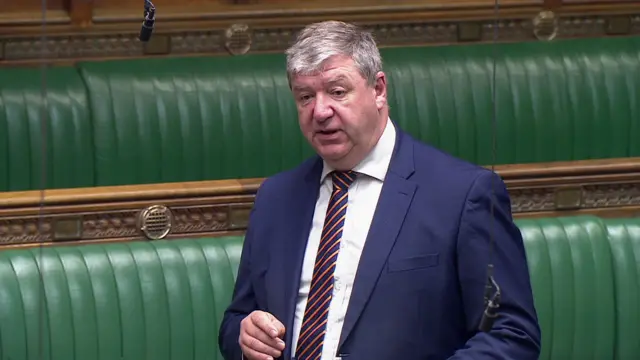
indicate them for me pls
(278, 326)
(263, 321)
(258, 348)
(258, 333)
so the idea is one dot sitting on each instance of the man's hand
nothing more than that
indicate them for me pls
(261, 336)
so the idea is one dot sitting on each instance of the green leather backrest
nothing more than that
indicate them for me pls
(208, 118)
(624, 240)
(186, 119)
(45, 136)
(572, 279)
(139, 300)
(555, 101)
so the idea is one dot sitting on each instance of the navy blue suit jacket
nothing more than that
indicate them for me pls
(419, 288)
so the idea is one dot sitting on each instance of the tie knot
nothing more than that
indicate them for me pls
(343, 179)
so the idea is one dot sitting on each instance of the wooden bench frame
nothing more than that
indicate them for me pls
(607, 188)
(80, 29)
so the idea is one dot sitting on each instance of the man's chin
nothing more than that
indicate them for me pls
(333, 153)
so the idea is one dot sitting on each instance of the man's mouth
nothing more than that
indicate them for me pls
(328, 132)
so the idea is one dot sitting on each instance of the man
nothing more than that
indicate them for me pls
(378, 248)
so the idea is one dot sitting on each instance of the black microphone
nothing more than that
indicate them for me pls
(149, 21)
(491, 303)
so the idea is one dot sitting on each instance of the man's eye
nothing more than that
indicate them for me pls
(339, 92)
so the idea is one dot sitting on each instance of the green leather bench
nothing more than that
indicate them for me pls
(624, 238)
(585, 274)
(65, 139)
(164, 299)
(185, 119)
(138, 300)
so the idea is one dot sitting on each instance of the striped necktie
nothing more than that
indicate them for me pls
(314, 320)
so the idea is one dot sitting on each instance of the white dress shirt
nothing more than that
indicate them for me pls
(363, 199)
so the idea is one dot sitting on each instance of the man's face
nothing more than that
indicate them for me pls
(339, 114)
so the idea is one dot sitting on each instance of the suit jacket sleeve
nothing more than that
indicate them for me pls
(243, 301)
(515, 333)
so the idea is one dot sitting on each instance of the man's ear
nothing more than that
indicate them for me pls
(380, 88)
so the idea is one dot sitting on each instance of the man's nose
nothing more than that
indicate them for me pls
(322, 109)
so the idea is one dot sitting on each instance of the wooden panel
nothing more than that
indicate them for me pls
(106, 10)
(202, 27)
(211, 208)
(29, 5)
(30, 13)
(167, 7)
(552, 4)
(596, 6)
(133, 4)
(101, 4)
(603, 2)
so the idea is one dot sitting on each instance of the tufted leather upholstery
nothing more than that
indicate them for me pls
(141, 300)
(560, 100)
(624, 239)
(164, 299)
(186, 119)
(183, 119)
(65, 138)
(571, 273)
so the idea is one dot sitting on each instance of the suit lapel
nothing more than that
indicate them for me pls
(393, 204)
(289, 254)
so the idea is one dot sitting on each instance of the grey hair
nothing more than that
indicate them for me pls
(317, 42)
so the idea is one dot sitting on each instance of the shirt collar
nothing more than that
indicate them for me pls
(376, 163)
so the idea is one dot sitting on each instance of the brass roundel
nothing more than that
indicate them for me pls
(238, 39)
(155, 221)
(545, 25)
